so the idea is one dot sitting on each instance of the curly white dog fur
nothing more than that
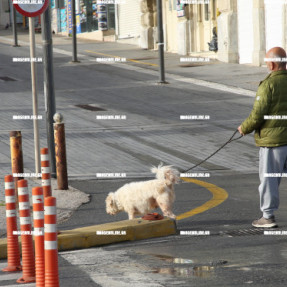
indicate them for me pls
(139, 198)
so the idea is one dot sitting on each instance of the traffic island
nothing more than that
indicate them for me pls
(103, 234)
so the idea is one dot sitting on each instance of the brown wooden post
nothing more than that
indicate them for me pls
(60, 152)
(16, 156)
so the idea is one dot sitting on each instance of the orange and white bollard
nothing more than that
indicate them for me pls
(46, 175)
(13, 253)
(51, 243)
(28, 259)
(38, 215)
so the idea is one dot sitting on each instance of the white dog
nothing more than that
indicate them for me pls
(139, 198)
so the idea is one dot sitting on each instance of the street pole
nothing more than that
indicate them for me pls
(160, 42)
(74, 26)
(14, 24)
(34, 93)
(49, 90)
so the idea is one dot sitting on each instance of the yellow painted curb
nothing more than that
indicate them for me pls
(135, 229)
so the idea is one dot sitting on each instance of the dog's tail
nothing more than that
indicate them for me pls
(167, 173)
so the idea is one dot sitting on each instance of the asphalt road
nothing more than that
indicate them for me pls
(233, 254)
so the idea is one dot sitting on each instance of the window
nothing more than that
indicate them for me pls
(199, 11)
(206, 12)
(213, 9)
(58, 4)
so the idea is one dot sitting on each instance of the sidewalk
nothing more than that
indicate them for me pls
(235, 75)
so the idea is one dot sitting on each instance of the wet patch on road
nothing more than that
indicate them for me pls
(182, 267)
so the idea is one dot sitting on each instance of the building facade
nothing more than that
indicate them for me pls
(245, 29)
(4, 13)
(187, 27)
(249, 28)
(93, 20)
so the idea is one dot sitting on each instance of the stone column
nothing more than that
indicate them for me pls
(227, 31)
(147, 24)
(183, 34)
(259, 34)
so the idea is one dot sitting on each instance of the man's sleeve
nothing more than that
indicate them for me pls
(260, 108)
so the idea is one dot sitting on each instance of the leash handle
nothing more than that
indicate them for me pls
(229, 141)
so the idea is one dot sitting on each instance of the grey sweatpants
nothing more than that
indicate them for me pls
(272, 163)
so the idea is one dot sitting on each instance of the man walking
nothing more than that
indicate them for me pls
(269, 120)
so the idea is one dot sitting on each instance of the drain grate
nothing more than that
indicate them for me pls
(7, 79)
(90, 108)
(190, 65)
(244, 232)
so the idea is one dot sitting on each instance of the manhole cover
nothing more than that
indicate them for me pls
(7, 79)
(90, 108)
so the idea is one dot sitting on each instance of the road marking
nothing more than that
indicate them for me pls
(219, 196)
(113, 56)
(141, 62)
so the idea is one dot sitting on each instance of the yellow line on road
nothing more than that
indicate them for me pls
(144, 63)
(219, 196)
(130, 60)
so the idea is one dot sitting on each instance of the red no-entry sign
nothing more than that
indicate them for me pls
(31, 8)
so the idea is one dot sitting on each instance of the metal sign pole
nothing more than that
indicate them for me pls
(33, 10)
(49, 90)
(34, 93)
(160, 42)
(14, 25)
(74, 25)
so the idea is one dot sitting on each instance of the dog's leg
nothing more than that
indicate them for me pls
(131, 214)
(170, 214)
(166, 209)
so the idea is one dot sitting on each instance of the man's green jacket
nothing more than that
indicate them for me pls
(269, 114)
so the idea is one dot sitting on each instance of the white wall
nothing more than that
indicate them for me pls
(274, 23)
(245, 31)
